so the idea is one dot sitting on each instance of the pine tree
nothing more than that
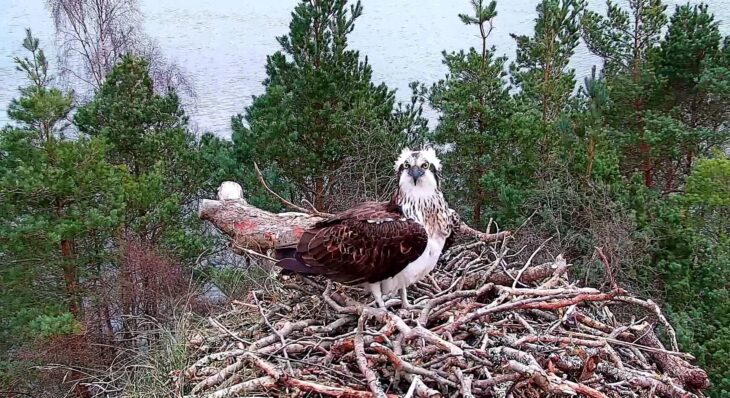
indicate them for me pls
(587, 147)
(691, 63)
(40, 107)
(692, 37)
(477, 125)
(147, 134)
(139, 124)
(625, 41)
(667, 103)
(623, 38)
(541, 67)
(60, 201)
(322, 123)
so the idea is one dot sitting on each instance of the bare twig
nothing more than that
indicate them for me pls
(287, 203)
(273, 329)
(607, 266)
(362, 361)
(528, 262)
(652, 306)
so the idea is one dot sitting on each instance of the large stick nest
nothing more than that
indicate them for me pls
(482, 324)
(479, 326)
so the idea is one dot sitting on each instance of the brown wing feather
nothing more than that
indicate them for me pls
(368, 243)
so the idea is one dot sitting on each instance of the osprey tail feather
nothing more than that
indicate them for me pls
(289, 261)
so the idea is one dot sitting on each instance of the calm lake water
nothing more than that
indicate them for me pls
(223, 44)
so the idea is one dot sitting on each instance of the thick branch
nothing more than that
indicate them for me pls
(251, 228)
(689, 375)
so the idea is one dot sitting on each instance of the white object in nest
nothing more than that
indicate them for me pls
(230, 190)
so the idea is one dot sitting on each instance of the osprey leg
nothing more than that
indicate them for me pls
(404, 297)
(377, 294)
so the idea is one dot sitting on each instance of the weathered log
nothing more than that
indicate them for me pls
(251, 228)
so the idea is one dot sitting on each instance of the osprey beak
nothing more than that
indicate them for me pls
(415, 172)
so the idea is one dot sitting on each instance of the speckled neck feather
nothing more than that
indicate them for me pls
(430, 211)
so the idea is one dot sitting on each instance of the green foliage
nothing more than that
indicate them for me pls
(632, 162)
(587, 144)
(321, 107)
(58, 198)
(690, 59)
(40, 106)
(540, 68)
(148, 134)
(61, 194)
(666, 108)
(708, 187)
(476, 122)
(667, 92)
(618, 166)
(626, 60)
(65, 204)
(46, 326)
(693, 258)
(221, 155)
(613, 37)
(692, 36)
(138, 123)
(482, 14)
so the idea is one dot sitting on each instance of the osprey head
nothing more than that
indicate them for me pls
(417, 171)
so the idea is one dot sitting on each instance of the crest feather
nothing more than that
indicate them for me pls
(430, 155)
(427, 153)
(404, 155)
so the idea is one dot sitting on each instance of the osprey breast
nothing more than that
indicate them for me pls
(416, 270)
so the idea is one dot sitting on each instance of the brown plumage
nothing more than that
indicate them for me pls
(383, 246)
(367, 243)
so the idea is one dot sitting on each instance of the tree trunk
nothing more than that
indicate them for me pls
(478, 203)
(647, 166)
(591, 156)
(69, 267)
(318, 200)
(70, 278)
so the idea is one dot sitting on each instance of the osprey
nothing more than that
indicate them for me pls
(382, 246)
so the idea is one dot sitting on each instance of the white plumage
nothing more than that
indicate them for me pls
(428, 154)
(230, 190)
(417, 269)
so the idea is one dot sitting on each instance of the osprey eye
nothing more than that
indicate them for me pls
(406, 165)
(425, 165)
